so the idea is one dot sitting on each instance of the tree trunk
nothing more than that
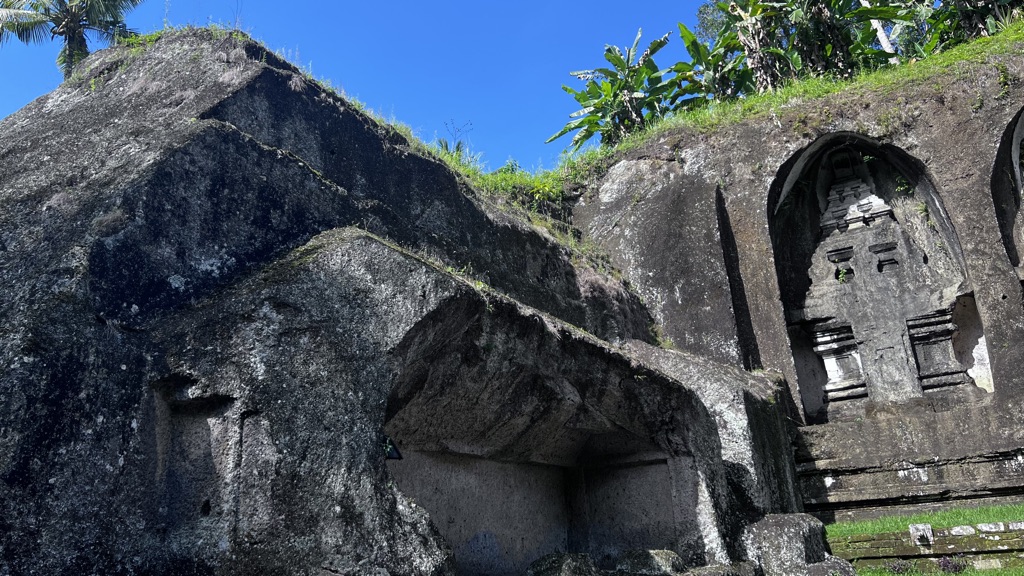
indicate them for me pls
(823, 29)
(755, 36)
(883, 38)
(972, 14)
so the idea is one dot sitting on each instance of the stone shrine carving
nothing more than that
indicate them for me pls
(877, 313)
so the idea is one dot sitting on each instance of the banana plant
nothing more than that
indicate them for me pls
(760, 28)
(714, 73)
(824, 34)
(619, 100)
(923, 27)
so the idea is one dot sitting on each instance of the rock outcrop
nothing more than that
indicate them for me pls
(865, 246)
(230, 298)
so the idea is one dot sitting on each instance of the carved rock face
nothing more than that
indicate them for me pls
(202, 347)
(882, 283)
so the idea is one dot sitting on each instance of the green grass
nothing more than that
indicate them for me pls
(141, 40)
(938, 520)
(969, 571)
(515, 185)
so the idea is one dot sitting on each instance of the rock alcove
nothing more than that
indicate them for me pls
(878, 304)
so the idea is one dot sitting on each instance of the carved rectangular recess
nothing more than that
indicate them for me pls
(882, 247)
(931, 336)
(837, 347)
(887, 265)
(887, 262)
(840, 255)
(193, 435)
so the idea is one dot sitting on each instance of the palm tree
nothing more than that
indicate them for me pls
(31, 21)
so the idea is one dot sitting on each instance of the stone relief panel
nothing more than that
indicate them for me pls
(878, 305)
(215, 467)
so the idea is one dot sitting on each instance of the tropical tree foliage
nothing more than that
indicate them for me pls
(714, 73)
(622, 99)
(710, 21)
(74, 21)
(746, 46)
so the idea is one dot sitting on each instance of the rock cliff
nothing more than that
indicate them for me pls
(865, 245)
(231, 303)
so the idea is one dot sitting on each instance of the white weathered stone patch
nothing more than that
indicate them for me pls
(177, 282)
(914, 474)
(987, 564)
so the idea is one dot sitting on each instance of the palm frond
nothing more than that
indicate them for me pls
(27, 26)
(108, 10)
(10, 16)
(65, 63)
(34, 20)
(110, 31)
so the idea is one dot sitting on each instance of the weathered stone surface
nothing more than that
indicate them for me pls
(563, 565)
(794, 545)
(737, 569)
(921, 534)
(205, 357)
(540, 440)
(224, 439)
(750, 422)
(229, 296)
(650, 563)
(270, 152)
(687, 290)
(1005, 548)
(917, 374)
(967, 451)
(992, 527)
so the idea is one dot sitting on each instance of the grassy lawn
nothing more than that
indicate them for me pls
(943, 519)
(998, 572)
(938, 520)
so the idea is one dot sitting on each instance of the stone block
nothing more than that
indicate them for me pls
(987, 563)
(921, 534)
(992, 527)
(650, 563)
(793, 545)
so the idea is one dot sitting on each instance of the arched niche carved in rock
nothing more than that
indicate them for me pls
(1007, 182)
(878, 304)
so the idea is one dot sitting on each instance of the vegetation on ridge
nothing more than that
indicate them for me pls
(588, 164)
(708, 104)
(761, 46)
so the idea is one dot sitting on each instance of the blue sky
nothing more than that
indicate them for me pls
(491, 70)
